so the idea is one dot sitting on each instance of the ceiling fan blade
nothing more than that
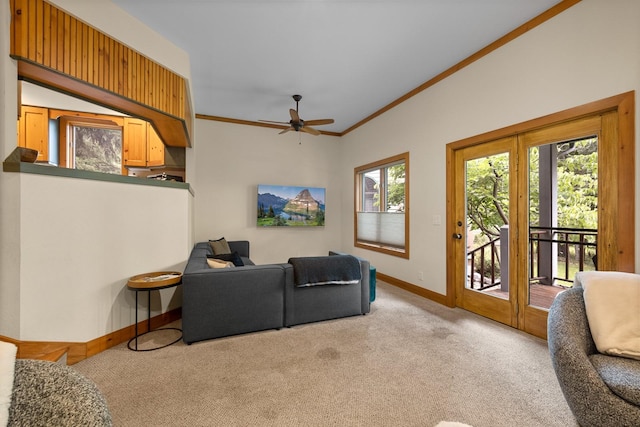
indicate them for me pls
(270, 121)
(312, 131)
(294, 115)
(318, 122)
(285, 131)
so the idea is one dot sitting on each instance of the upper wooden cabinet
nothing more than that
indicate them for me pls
(134, 143)
(33, 131)
(142, 147)
(155, 147)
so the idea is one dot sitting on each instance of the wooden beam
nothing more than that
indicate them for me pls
(173, 130)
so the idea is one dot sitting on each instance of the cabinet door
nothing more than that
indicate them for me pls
(155, 148)
(33, 131)
(135, 142)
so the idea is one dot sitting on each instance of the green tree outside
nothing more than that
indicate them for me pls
(577, 186)
(395, 193)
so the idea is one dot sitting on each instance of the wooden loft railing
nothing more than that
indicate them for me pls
(57, 50)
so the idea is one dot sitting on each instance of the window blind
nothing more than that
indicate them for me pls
(385, 228)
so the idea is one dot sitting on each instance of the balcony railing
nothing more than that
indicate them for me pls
(576, 251)
(567, 249)
(484, 263)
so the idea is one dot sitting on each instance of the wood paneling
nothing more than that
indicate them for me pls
(62, 52)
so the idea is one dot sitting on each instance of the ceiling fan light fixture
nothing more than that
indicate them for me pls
(297, 124)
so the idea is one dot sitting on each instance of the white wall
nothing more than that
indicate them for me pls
(80, 242)
(9, 187)
(231, 160)
(68, 246)
(587, 53)
(39, 96)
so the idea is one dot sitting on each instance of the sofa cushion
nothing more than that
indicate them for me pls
(620, 374)
(218, 263)
(233, 257)
(220, 246)
(612, 302)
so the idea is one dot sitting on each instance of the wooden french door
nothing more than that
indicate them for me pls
(495, 166)
(509, 161)
(532, 314)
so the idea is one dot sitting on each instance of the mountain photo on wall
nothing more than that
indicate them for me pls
(290, 206)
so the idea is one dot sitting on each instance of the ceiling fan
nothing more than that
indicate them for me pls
(299, 125)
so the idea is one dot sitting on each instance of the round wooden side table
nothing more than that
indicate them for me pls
(152, 282)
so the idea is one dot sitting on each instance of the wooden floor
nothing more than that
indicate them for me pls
(540, 295)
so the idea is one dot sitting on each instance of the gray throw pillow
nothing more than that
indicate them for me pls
(220, 246)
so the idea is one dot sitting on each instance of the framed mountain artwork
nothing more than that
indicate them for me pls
(290, 206)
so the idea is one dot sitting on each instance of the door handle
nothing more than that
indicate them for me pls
(457, 236)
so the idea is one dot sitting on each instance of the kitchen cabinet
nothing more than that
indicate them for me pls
(142, 147)
(33, 131)
(155, 147)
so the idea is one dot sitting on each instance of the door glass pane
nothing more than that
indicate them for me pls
(563, 216)
(487, 213)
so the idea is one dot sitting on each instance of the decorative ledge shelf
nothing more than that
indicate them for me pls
(39, 169)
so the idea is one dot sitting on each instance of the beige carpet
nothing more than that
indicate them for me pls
(410, 362)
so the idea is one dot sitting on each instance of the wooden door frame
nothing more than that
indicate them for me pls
(624, 104)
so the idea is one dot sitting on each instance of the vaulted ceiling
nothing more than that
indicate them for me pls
(347, 58)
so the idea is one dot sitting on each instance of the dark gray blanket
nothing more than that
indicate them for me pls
(325, 270)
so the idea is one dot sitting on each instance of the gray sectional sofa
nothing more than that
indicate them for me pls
(219, 302)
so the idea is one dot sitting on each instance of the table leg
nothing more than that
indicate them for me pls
(148, 311)
(137, 334)
(136, 320)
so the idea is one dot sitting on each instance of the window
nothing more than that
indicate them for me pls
(91, 144)
(382, 206)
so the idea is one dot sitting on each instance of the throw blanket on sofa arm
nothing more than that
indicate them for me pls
(325, 270)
